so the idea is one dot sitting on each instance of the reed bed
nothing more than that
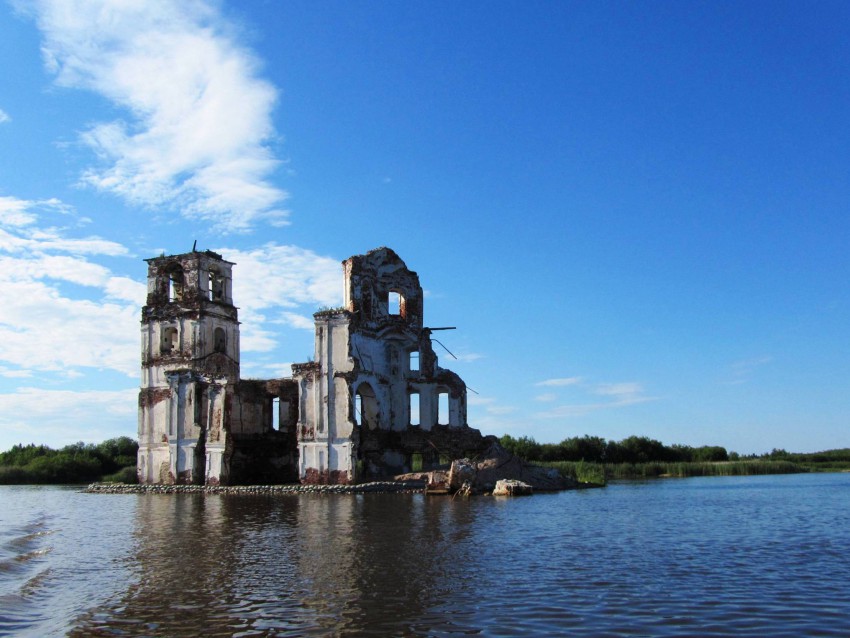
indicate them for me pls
(597, 473)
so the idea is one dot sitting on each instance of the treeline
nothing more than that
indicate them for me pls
(592, 459)
(595, 449)
(825, 461)
(112, 460)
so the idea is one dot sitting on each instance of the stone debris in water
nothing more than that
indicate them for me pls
(482, 474)
(461, 473)
(373, 487)
(511, 487)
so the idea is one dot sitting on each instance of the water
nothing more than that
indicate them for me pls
(743, 556)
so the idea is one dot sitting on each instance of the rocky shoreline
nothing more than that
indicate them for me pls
(374, 487)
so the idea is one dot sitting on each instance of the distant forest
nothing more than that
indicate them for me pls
(585, 456)
(113, 460)
(639, 456)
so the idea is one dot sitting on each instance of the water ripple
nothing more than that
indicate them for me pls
(749, 556)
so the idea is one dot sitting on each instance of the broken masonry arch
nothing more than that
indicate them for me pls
(367, 410)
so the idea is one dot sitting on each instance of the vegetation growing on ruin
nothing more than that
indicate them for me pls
(642, 457)
(112, 460)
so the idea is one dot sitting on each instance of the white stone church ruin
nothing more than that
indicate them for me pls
(373, 403)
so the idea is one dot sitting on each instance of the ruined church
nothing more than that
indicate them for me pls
(374, 401)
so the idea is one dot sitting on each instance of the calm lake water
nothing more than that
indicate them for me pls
(743, 556)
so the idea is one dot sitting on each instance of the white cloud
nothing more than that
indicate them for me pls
(4, 117)
(615, 395)
(125, 289)
(559, 382)
(61, 417)
(14, 374)
(253, 335)
(22, 212)
(548, 396)
(43, 329)
(274, 277)
(622, 393)
(198, 114)
(298, 321)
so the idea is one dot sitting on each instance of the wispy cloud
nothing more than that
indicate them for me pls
(40, 327)
(622, 393)
(559, 382)
(64, 417)
(298, 321)
(276, 281)
(14, 374)
(15, 211)
(4, 117)
(501, 409)
(197, 113)
(613, 395)
(43, 328)
(547, 396)
(742, 371)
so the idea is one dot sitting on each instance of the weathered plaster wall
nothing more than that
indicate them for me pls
(325, 427)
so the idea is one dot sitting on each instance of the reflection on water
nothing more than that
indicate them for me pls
(719, 556)
(307, 564)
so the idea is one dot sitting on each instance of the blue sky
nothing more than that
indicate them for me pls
(634, 213)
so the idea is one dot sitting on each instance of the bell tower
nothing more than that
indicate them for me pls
(190, 370)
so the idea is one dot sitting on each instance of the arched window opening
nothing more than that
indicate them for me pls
(414, 361)
(366, 406)
(414, 408)
(216, 286)
(220, 340)
(394, 301)
(175, 285)
(168, 341)
(443, 417)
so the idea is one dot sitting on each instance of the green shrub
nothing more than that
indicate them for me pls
(124, 475)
